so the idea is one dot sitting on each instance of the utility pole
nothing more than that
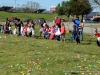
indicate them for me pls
(15, 4)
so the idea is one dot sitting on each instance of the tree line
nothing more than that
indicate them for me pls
(30, 6)
(76, 7)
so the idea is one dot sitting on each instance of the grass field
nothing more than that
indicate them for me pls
(23, 16)
(27, 56)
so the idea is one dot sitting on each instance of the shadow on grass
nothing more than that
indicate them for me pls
(88, 42)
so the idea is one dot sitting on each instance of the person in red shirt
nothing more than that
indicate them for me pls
(63, 32)
(97, 33)
(58, 21)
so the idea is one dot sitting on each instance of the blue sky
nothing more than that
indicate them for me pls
(43, 3)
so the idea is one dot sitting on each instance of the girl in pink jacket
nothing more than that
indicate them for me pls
(63, 33)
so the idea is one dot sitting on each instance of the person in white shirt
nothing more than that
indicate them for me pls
(10, 29)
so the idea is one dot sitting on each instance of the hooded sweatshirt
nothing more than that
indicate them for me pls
(63, 30)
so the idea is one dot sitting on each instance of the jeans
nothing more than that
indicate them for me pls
(77, 35)
(19, 31)
(81, 35)
(63, 36)
(57, 37)
(46, 36)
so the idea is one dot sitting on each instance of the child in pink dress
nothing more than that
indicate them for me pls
(63, 32)
(25, 30)
(52, 32)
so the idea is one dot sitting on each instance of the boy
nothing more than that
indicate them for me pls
(97, 33)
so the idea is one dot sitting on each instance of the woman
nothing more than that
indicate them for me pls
(81, 29)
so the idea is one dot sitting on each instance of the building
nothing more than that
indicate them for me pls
(92, 14)
(53, 9)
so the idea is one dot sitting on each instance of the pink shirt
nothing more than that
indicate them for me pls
(63, 30)
(29, 25)
(52, 30)
(25, 29)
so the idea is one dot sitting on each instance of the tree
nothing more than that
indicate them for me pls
(97, 2)
(80, 7)
(5, 8)
(33, 6)
(59, 10)
(25, 8)
(74, 7)
(66, 8)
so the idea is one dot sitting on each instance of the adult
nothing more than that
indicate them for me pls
(7, 22)
(81, 29)
(19, 22)
(58, 21)
(76, 24)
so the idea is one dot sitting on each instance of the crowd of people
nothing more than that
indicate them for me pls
(56, 32)
(78, 30)
(20, 28)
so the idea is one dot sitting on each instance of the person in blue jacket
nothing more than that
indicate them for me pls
(76, 24)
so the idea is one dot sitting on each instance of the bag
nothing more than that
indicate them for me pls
(72, 38)
(58, 32)
(51, 37)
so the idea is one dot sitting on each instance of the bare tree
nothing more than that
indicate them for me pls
(25, 8)
(33, 6)
(97, 2)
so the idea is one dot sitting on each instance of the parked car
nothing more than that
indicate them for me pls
(89, 20)
(63, 20)
(96, 20)
(40, 21)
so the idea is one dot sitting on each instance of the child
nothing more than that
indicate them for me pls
(97, 33)
(15, 31)
(41, 30)
(5, 29)
(22, 30)
(52, 32)
(46, 31)
(29, 31)
(10, 30)
(76, 36)
(33, 32)
(2, 29)
(63, 32)
(25, 30)
(57, 32)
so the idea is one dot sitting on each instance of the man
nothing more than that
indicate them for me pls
(19, 26)
(76, 24)
(58, 21)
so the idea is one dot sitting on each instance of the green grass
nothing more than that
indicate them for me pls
(27, 56)
(23, 16)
